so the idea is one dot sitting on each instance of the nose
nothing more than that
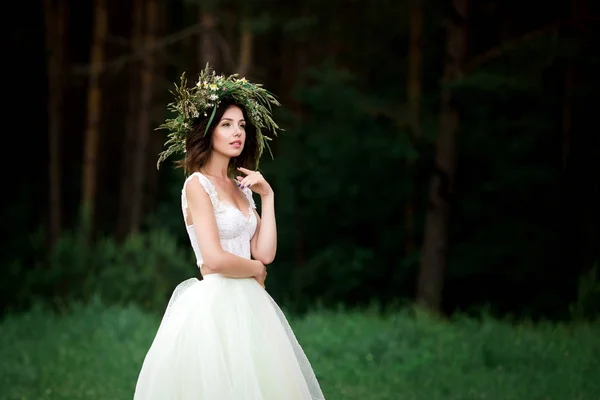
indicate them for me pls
(238, 131)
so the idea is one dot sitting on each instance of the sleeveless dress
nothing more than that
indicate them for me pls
(225, 338)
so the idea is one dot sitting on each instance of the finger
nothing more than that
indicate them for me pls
(245, 170)
(253, 180)
(246, 182)
(260, 281)
(241, 181)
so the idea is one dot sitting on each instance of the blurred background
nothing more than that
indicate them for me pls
(437, 186)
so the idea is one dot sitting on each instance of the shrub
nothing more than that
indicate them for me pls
(144, 269)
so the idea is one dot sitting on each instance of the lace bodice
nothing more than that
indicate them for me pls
(235, 230)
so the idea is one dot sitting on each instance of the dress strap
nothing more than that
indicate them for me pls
(206, 184)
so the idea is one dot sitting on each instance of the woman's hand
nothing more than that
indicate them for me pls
(262, 277)
(255, 181)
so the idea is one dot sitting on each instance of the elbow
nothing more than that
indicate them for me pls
(266, 259)
(269, 260)
(265, 256)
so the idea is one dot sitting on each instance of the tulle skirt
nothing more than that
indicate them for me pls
(225, 339)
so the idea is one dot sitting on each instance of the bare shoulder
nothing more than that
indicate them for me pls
(196, 192)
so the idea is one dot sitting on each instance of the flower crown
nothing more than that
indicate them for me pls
(202, 100)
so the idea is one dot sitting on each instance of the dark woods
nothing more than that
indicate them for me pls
(438, 152)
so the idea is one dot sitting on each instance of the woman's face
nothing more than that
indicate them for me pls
(229, 135)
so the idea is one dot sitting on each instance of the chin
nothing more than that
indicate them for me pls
(231, 153)
(236, 153)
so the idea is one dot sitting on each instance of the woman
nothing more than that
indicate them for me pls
(224, 338)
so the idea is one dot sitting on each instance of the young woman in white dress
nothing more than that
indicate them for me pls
(224, 337)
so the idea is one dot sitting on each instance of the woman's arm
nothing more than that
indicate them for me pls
(207, 235)
(264, 242)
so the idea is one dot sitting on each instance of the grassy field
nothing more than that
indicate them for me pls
(94, 352)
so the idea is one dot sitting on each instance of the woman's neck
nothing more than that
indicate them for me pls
(217, 167)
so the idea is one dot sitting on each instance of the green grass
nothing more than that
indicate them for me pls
(94, 352)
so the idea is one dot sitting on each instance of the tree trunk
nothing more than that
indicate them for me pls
(144, 115)
(435, 245)
(124, 219)
(156, 118)
(413, 85)
(94, 109)
(55, 21)
(245, 60)
(293, 60)
(579, 10)
(209, 52)
(567, 113)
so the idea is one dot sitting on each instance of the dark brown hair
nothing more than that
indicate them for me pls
(198, 146)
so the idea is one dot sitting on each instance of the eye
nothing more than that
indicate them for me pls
(225, 124)
(243, 126)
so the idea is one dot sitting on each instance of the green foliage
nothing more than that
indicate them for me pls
(342, 185)
(512, 221)
(95, 352)
(521, 224)
(72, 357)
(331, 172)
(143, 269)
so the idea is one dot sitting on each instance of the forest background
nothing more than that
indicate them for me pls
(439, 156)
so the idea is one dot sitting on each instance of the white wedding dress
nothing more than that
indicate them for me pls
(225, 338)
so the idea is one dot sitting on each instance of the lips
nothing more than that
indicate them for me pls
(236, 143)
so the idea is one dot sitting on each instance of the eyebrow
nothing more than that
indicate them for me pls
(229, 119)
